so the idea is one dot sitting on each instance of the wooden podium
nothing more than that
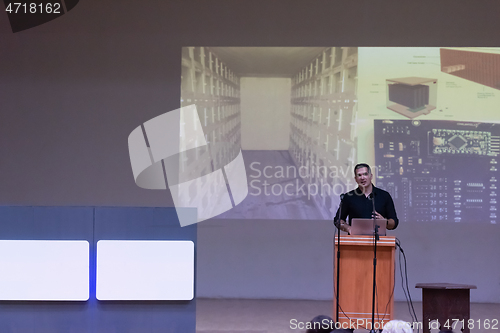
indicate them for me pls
(356, 280)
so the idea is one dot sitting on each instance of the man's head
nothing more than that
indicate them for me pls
(321, 324)
(363, 174)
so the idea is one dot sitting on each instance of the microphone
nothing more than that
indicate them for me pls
(336, 221)
(372, 198)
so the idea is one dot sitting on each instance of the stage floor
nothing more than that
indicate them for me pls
(273, 316)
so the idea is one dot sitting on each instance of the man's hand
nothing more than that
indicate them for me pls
(344, 226)
(391, 224)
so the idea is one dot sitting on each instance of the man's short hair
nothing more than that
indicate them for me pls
(318, 324)
(362, 165)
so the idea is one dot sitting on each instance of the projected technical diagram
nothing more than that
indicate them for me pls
(477, 64)
(411, 96)
(439, 170)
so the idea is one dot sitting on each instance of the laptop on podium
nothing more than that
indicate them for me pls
(365, 227)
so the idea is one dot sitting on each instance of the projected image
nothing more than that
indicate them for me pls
(292, 112)
(480, 65)
(443, 171)
(424, 83)
(303, 117)
(411, 96)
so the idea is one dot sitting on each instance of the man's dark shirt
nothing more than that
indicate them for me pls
(356, 205)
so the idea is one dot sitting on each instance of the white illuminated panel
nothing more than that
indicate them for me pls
(43, 270)
(145, 270)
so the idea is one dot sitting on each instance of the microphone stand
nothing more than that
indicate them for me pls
(376, 238)
(338, 256)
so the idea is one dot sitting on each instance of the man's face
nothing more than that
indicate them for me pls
(363, 177)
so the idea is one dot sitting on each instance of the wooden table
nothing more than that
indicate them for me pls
(445, 301)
